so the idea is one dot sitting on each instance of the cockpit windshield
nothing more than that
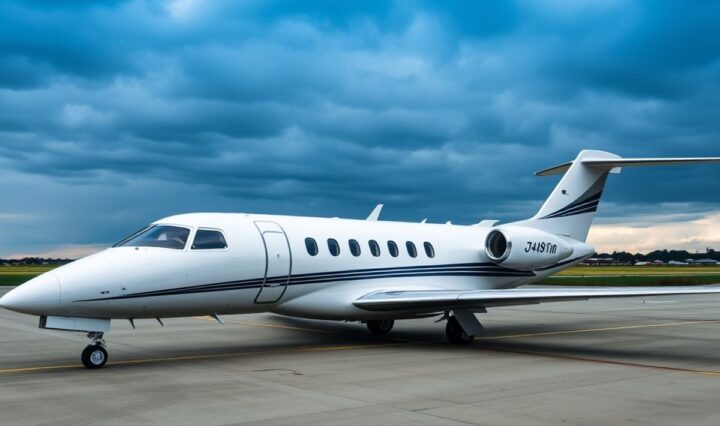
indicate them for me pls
(171, 237)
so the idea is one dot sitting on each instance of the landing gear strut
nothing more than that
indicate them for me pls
(380, 326)
(455, 333)
(94, 355)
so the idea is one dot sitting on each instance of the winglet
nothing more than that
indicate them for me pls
(375, 214)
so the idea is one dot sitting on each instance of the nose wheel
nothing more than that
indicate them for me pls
(94, 355)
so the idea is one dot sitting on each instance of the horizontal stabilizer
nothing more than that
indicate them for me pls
(605, 163)
(555, 170)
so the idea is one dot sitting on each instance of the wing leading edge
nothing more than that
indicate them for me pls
(439, 300)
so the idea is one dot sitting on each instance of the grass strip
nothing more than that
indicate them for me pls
(630, 280)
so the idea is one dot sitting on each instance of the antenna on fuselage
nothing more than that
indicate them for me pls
(375, 214)
(217, 318)
(489, 223)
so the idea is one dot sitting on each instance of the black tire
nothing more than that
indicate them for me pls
(380, 326)
(94, 356)
(455, 333)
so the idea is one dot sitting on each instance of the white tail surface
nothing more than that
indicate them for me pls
(571, 207)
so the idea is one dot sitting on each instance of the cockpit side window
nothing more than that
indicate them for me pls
(133, 235)
(163, 236)
(206, 239)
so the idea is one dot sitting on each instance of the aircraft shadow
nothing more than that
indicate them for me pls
(695, 348)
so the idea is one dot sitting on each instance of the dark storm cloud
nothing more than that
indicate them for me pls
(325, 108)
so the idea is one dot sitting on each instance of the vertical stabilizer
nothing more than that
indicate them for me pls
(571, 207)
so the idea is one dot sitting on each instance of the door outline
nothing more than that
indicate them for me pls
(279, 230)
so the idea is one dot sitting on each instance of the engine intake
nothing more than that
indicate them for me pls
(526, 248)
(498, 247)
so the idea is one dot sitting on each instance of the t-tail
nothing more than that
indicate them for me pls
(571, 207)
(555, 236)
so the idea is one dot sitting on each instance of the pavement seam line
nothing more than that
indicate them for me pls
(608, 361)
(596, 330)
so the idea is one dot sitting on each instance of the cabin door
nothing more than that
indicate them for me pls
(278, 262)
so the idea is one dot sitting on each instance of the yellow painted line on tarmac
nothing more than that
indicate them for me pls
(596, 330)
(47, 367)
(207, 356)
(265, 324)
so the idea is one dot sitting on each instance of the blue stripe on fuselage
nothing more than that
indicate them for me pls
(461, 269)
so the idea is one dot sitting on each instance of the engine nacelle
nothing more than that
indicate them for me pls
(526, 248)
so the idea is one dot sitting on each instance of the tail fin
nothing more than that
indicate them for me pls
(571, 207)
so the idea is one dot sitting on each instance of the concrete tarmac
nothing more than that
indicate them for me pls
(615, 361)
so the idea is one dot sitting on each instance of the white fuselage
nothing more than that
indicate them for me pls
(266, 266)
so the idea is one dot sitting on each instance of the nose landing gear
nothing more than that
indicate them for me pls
(95, 354)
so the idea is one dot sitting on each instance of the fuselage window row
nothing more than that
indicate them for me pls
(334, 248)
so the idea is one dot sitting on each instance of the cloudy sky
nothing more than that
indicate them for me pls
(115, 114)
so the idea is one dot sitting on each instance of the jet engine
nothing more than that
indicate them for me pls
(526, 248)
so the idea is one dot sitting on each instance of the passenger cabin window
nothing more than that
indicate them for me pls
(334, 247)
(412, 251)
(393, 249)
(206, 239)
(311, 246)
(429, 250)
(354, 247)
(163, 236)
(374, 248)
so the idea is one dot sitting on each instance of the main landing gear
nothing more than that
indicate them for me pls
(380, 326)
(95, 354)
(455, 333)
(454, 329)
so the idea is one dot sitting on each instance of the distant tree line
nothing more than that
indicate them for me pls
(35, 261)
(664, 255)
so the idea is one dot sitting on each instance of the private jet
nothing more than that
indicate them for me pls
(371, 271)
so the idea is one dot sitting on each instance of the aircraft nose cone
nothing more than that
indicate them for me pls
(36, 297)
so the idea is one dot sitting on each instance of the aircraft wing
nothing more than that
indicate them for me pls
(439, 300)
